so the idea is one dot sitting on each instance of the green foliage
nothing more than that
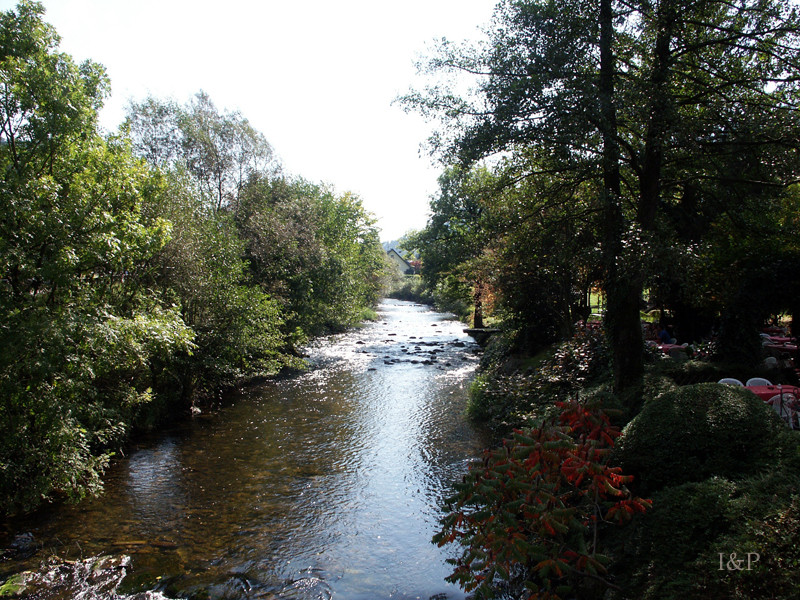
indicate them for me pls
(315, 251)
(774, 537)
(528, 516)
(129, 288)
(348, 276)
(543, 240)
(698, 431)
(451, 245)
(674, 551)
(72, 382)
(222, 151)
(79, 332)
(726, 470)
(452, 294)
(508, 394)
(411, 288)
(239, 329)
(631, 145)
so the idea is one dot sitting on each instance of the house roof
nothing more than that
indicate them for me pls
(396, 255)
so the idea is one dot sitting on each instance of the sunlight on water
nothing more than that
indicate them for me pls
(325, 485)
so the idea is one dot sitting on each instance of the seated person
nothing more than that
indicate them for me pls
(665, 337)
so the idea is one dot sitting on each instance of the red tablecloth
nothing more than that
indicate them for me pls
(665, 348)
(765, 392)
(782, 347)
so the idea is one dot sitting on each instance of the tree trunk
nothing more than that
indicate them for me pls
(658, 120)
(623, 289)
(477, 320)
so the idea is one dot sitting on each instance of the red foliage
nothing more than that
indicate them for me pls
(528, 517)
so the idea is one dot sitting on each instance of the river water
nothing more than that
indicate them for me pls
(326, 485)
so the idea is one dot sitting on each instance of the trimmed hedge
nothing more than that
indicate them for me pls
(695, 432)
(723, 472)
(673, 552)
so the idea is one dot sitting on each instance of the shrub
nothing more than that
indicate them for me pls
(71, 384)
(504, 402)
(673, 551)
(511, 393)
(652, 559)
(528, 516)
(773, 538)
(412, 289)
(695, 432)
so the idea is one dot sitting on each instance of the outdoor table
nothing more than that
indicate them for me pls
(773, 329)
(665, 348)
(782, 347)
(765, 392)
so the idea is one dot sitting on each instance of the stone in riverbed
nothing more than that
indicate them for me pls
(23, 546)
(14, 586)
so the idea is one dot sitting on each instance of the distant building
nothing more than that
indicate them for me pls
(402, 265)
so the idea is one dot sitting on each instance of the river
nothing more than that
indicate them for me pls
(325, 485)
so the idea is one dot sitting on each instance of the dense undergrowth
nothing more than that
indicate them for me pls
(413, 288)
(721, 470)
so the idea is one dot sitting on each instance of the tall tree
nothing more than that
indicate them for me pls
(644, 101)
(221, 150)
(454, 239)
(78, 333)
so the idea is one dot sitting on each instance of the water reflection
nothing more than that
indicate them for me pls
(153, 487)
(324, 485)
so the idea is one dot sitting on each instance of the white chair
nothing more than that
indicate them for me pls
(783, 405)
(758, 381)
(731, 381)
(678, 354)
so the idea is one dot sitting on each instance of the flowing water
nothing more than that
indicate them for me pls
(326, 485)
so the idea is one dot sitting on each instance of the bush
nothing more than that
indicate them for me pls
(652, 559)
(673, 551)
(512, 393)
(412, 289)
(701, 371)
(528, 516)
(774, 538)
(71, 383)
(503, 402)
(695, 432)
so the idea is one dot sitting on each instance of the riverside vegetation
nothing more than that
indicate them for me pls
(145, 270)
(614, 146)
(647, 151)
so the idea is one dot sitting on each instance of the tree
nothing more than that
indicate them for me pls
(79, 333)
(203, 269)
(311, 251)
(544, 238)
(221, 150)
(152, 125)
(644, 103)
(316, 251)
(453, 241)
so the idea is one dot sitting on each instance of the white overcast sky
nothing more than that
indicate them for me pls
(316, 77)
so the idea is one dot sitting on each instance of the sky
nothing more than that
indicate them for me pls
(316, 77)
